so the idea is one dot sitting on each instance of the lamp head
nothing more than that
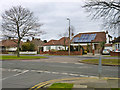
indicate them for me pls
(68, 19)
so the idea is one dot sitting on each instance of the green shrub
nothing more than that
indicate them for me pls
(53, 50)
(85, 52)
(28, 46)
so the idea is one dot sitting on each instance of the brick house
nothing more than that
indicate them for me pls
(116, 43)
(9, 45)
(38, 44)
(61, 44)
(91, 41)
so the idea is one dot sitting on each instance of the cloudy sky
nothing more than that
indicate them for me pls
(53, 14)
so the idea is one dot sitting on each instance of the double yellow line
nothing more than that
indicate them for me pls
(36, 87)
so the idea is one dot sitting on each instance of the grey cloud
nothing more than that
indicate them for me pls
(53, 16)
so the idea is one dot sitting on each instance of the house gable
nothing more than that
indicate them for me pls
(93, 37)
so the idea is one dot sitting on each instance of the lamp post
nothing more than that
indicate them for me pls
(69, 36)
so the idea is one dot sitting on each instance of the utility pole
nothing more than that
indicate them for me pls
(100, 67)
(69, 36)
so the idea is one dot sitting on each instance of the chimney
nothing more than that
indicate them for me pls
(106, 32)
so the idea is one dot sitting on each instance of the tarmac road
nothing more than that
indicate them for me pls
(27, 73)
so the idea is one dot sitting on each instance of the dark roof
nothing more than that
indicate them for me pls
(107, 45)
(38, 42)
(116, 40)
(9, 43)
(100, 36)
(62, 41)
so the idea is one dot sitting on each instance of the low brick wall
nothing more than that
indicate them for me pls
(29, 52)
(62, 53)
(115, 53)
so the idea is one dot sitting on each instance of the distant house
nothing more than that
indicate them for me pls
(91, 41)
(108, 46)
(38, 44)
(116, 44)
(61, 44)
(9, 45)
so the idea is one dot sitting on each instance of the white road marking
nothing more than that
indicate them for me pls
(47, 72)
(33, 70)
(92, 76)
(83, 75)
(16, 75)
(64, 73)
(79, 63)
(74, 74)
(63, 62)
(55, 72)
(40, 71)
(14, 69)
(21, 73)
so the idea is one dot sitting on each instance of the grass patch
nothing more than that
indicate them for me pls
(21, 57)
(111, 56)
(115, 88)
(61, 86)
(104, 61)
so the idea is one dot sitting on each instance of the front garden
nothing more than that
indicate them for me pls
(104, 61)
(5, 57)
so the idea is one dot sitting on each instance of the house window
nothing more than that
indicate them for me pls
(48, 48)
(115, 46)
(56, 48)
(118, 46)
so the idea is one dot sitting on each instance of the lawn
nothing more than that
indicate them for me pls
(61, 86)
(104, 61)
(115, 88)
(111, 56)
(21, 57)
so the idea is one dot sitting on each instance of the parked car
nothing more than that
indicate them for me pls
(117, 50)
(106, 52)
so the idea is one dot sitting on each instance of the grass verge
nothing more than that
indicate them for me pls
(61, 86)
(21, 57)
(111, 56)
(104, 61)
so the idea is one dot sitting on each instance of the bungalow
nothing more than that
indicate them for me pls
(38, 44)
(116, 44)
(91, 41)
(61, 44)
(9, 45)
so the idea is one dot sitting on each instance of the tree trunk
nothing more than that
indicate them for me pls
(18, 49)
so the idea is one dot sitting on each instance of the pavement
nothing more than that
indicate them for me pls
(83, 83)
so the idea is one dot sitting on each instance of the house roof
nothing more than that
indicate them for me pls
(9, 43)
(38, 42)
(116, 40)
(100, 36)
(108, 45)
(62, 41)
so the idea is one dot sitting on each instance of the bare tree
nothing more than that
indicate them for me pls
(108, 10)
(65, 34)
(19, 22)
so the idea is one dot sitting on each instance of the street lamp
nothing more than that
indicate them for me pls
(69, 36)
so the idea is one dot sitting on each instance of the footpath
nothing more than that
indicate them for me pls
(84, 83)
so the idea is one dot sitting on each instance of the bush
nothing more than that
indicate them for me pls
(62, 50)
(53, 50)
(85, 52)
(28, 46)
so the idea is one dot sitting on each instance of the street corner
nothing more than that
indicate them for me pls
(81, 82)
(75, 81)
